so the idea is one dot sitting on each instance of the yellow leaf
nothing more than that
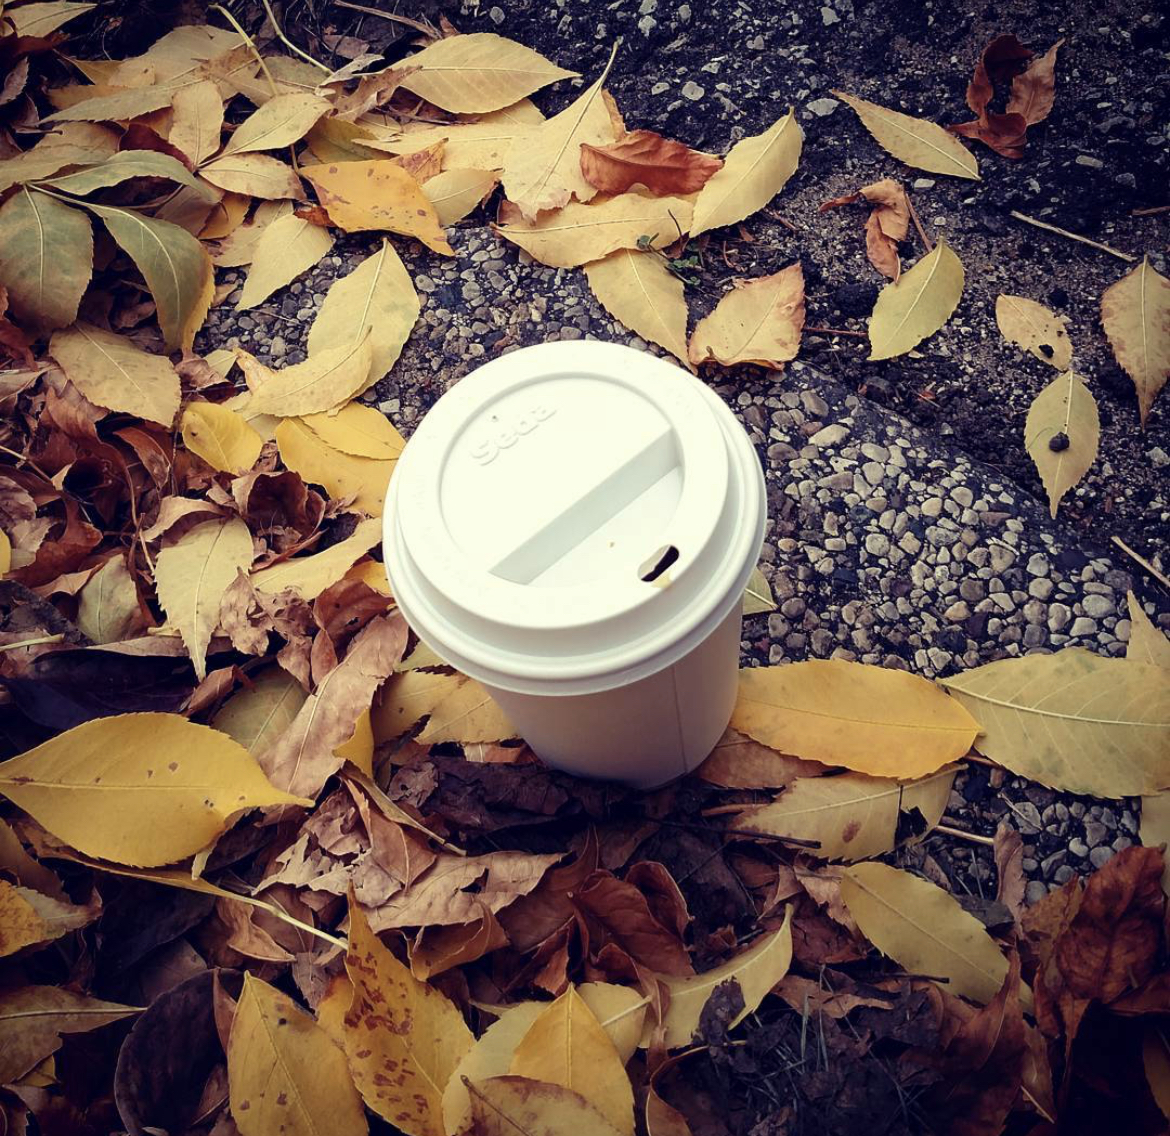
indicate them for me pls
(1136, 315)
(621, 1011)
(309, 576)
(566, 1046)
(359, 196)
(377, 299)
(358, 430)
(122, 167)
(923, 928)
(408, 697)
(28, 918)
(46, 258)
(71, 144)
(1062, 433)
(33, 1018)
(221, 437)
(1033, 327)
(479, 145)
(921, 144)
(359, 748)
(16, 863)
(281, 121)
(877, 721)
(456, 192)
(466, 714)
(757, 596)
(5, 553)
(115, 106)
(326, 379)
(517, 1106)
(1073, 720)
(192, 575)
(198, 120)
(395, 1022)
(478, 72)
(257, 175)
(372, 573)
(226, 216)
(175, 265)
(641, 291)
(759, 321)
(239, 247)
(257, 715)
(1146, 643)
(108, 607)
(755, 170)
(114, 372)
(43, 18)
(853, 817)
(285, 1074)
(286, 248)
(138, 789)
(191, 209)
(542, 168)
(342, 475)
(917, 304)
(756, 970)
(579, 233)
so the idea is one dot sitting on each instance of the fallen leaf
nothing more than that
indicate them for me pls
(260, 713)
(754, 171)
(287, 247)
(808, 996)
(1008, 851)
(1034, 89)
(921, 144)
(623, 911)
(579, 233)
(46, 258)
(407, 698)
(456, 192)
(220, 436)
(284, 1071)
(479, 145)
(1135, 312)
(376, 300)
(886, 225)
(29, 919)
(1073, 720)
(113, 372)
(239, 247)
(1146, 643)
(33, 1018)
(257, 175)
(191, 576)
(115, 106)
(327, 379)
(226, 216)
(756, 971)
(281, 121)
(439, 950)
(1061, 434)
(923, 928)
(198, 120)
(853, 817)
(108, 607)
(757, 596)
(737, 762)
(360, 196)
(1033, 327)
(202, 778)
(915, 307)
(342, 475)
(309, 576)
(873, 720)
(358, 430)
(759, 321)
(639, 289)
(18, 865)
(665, 167)
(44, 18)
(1003, 58)
(466, 713)
(506, 1106)
(542, 168)
(397, 1023)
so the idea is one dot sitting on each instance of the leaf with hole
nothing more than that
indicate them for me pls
(1061, 434)
(1035, 328)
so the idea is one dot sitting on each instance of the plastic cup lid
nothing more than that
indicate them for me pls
(571, 510)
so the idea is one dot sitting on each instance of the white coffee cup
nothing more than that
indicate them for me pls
(573, 525)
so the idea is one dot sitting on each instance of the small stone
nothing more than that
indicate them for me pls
(684, 17)
(1058, 617)
(814, 404)
(1083, 627)
(924, 183)
(691, 90)
(1101, 855)
(963, 496)
(1049, 864)
(1098, 606)
(1029, 816)
(957, 612)
(1036, 890)
(831, 17)
(909, 544)
(1038, 564)
(823, 107)
(1062, 875)
(1040, 589)
(1159, 459)
(1095, 833)
(496, 15)
(660, 88)
(1078, 847)
(877, 544)
(932, 506)
(830, 435)
(1085, 159)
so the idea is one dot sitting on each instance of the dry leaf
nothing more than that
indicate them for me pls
(506, 1106)
(342, 475)
(29, 919)
(852, 817)
(115, 106)
(225, 218)
(397, 1024)
(924, 929)
(178, 780)
(358, 430)
(466, 713)
(1135, 313)
(1146, 643)
(877, 721)
(360, 196)
(329, 378)
(257, 175)
(665, 167)
(108, 608)
(281, 121)
(639, 289)
(478, 72)
(286, 248)
(915, 307)
(221, 437)
(240, 246)
(456, 192)
(256, 716)
(1034, 90)
(921, 144)
(737, 762)
(755, 170)
(113, 372)
(479, 145)
(579, 233)
(886, 225)
(1073, 720)
(309, 576)
(759, 321)
(1061, 433)
(285, 1072)
(1033, 327)
(198, 120)
(1155, 829)
(44, 18)
(409, 697)
(192, 575)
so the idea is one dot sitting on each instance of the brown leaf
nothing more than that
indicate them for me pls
(642, 157)
(886, 225)
(1001, 59)
(1034, 91)
(278, 505)
(534, 917)
(738, 762)
(437, 950)
(1009, 857)
(836, 995)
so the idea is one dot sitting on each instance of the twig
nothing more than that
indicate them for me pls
(1142, 561)
(818, 330)
(1072, 236)
(421, 27)
(26, 460)
(289, 43)
(771, 213)
(33, 642)
(982, 761)
(252, 44)
(975, 838)
(723, 810)
(918, 224)
(1150, 212)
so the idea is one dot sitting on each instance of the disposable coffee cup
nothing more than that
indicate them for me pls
(573, 525)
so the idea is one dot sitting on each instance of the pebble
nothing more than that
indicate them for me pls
(828, 16)
(1092, 163)
(823, 107)
(691, 90)
(830, 435)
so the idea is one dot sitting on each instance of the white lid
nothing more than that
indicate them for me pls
(536, 493)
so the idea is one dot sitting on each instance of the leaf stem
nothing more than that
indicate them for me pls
(33, 642)
(252, 44)
(962, 834)
(1142, 561)
(918, 224)
(289, 43)
(416, 24)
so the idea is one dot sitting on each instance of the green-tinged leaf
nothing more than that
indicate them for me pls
(917, 304)
(757, 596)
(221, 437)
(46, 258)
(286, 248)
(108, 607)
(1062, 433)
(257, 715)
(115, 107)
(121, 167)
(41, 19)
(1073, 720)
(281, 121)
